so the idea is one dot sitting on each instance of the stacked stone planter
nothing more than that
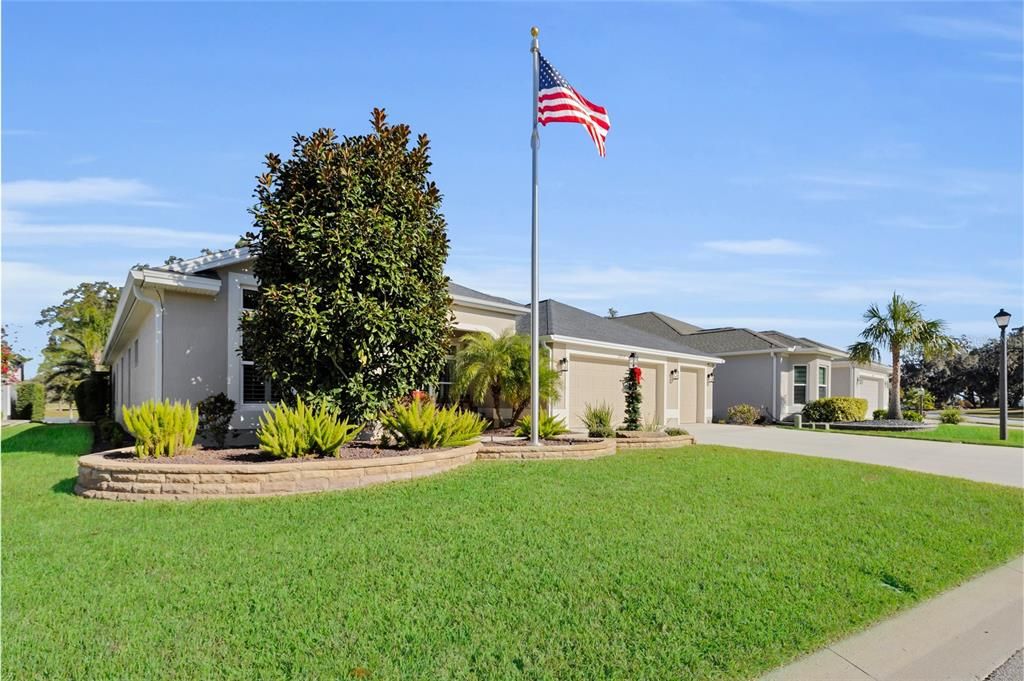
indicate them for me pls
(645, 440)
(100, 477)
(569, 450)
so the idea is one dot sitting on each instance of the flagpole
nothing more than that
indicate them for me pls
(535, 257)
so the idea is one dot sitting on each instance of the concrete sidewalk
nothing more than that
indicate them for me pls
(962, 635)
(983, 463)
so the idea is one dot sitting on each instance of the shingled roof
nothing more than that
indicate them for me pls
(657, 323)
(466, 292)
(559, 319)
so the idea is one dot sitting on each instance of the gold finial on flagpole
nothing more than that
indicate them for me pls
(534, 31)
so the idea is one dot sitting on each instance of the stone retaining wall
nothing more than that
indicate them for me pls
(576, 450)
(132, 480)
(666, 442)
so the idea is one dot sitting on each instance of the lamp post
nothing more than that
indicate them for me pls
(1002, 321)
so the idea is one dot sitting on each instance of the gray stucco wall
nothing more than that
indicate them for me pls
(195, 346)
(742, 380)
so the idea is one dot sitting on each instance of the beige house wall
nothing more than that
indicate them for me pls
(494, 323)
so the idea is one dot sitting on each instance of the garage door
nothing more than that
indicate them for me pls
(687, 396)
(871, 390)
(594, 381)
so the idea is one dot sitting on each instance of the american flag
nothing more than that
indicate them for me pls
(559, 102)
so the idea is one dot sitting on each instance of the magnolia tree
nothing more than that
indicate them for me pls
(350, 248)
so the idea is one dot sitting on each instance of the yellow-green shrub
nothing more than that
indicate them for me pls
(423, 424)
(832, 409)
(290, 431)
(161, 428)
(547, 428)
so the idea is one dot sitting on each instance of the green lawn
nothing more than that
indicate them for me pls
(946, 432)
(703, 562)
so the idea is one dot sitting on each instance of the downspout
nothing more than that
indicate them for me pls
(775, 388)
(158, 326)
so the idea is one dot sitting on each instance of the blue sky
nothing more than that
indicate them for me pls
(769, 165)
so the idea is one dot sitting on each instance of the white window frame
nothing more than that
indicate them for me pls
(804, 384)
(827, 385)
(247, 414)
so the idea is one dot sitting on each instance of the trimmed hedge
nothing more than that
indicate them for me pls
(832, 409)
(92, 397)
(30, 402)
(880, 414)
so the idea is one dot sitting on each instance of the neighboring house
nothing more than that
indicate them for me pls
(13, 373)
(772, 370)
(592, 353)
(175, 335)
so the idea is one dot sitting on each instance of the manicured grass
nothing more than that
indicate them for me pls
(946, 432)
(702, 562)
(994, 412)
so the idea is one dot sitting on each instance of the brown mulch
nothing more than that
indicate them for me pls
(202, 455)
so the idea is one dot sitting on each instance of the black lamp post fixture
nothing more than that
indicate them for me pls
(1002, 321)
(632, 360)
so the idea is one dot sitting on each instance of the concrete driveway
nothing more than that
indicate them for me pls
(984, 463)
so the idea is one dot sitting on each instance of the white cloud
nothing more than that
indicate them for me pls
(960, 28)
(939, 290)
(29, 287)
(761, 247)
(918, 223)
(19, 230)
(80, 190)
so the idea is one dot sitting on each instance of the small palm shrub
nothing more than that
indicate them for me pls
(215, 414)
(915, 416)
(742, 414)
(289, 431)
(832, 409)
(673, 431)
(421, 423)
(161, 428)
(880, 414)
(951, 415)
(598, 419)
(547, 428)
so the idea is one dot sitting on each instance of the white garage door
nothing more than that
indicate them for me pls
(687, 396)
(594, 381)
(871, 390)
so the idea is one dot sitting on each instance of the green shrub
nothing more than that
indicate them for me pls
(673, 431)
(650, 426)
(215, 414)
(832, 409)
(161, 428)
(951, 415)
(110, 431)
(915, 416)
(598, 419)
(548, 427)
(915, 398)
(422, 423)
(742, 414)
(92, 397)
(30, 401)
(290, 431)
(880, 414)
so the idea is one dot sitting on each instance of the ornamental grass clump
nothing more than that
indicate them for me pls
(161, 428)
(301, 430)
(547, 427)
(422, 424)
(951, 415)
(598, 419)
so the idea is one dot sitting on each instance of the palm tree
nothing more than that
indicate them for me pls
(500, 367)
(901, 328)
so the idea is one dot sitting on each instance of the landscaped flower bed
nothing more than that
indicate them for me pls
(200, 474)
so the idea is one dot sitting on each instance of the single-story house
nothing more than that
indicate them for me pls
(175, 335)
(775, 371)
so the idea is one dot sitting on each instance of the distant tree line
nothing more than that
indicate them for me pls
(971, 374)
